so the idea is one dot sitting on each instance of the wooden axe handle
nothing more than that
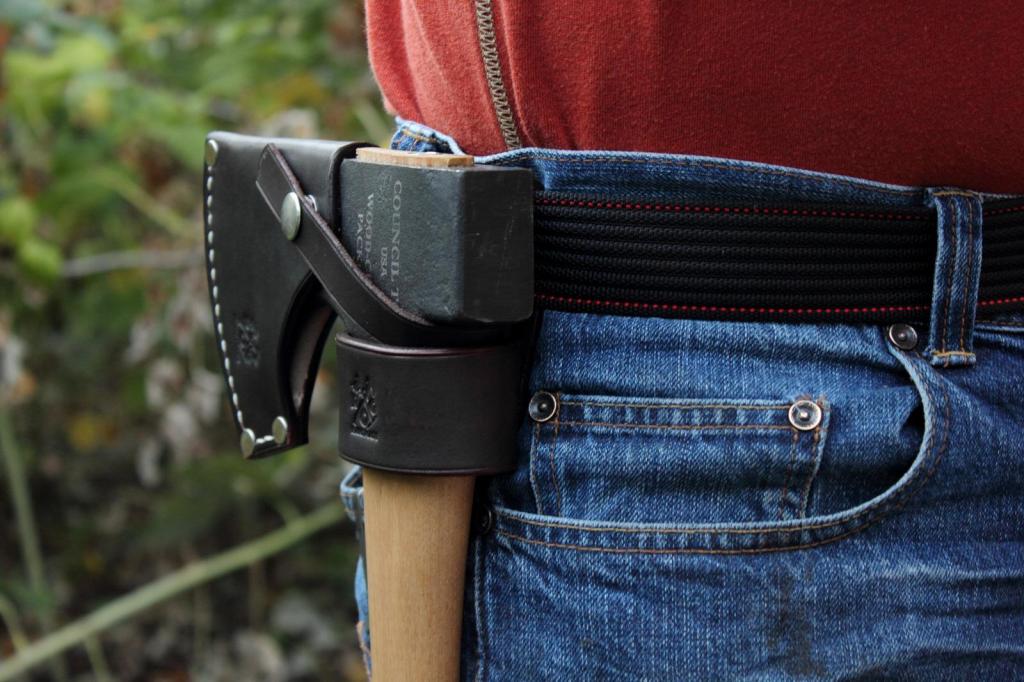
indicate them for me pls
(417, 538)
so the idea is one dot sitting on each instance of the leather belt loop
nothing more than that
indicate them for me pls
(957, 277)
(430, 410)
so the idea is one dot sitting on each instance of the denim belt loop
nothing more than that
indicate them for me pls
(957, 276)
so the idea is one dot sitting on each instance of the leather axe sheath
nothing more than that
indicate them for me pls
(277, 215)
(427, 260)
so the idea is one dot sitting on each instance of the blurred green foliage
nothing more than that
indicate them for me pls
(107, 364)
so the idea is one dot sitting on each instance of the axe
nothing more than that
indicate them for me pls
(427, 260)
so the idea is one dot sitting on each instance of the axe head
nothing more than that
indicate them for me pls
(270, 318)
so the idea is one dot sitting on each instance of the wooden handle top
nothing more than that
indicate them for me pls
(397, 157)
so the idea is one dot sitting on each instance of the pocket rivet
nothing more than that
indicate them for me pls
(903, 336)
(542, 407)
(805, 415)
(485, 521)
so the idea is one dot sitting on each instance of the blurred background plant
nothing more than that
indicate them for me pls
(119, 462)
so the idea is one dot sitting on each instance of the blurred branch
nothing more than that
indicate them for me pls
(28, 534)
(131, 260)
(202, 623)
(144, 202)
(184, 579)
(11, 621)
(100, 667)
(9, 616)
(21, 500)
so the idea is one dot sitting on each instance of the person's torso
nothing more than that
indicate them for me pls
(904, 93)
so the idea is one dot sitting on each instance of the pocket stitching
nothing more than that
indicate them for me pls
(692, 550)
(683, 427)
(897, 502)
(534, 446)
(805, 499)
(557, 423)
(894, 506)
(674, 406)
(789, 475)
(551, 465)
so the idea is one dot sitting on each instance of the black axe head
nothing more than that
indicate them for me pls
(287, 250)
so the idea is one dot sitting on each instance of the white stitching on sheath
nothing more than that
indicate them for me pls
(214, 291)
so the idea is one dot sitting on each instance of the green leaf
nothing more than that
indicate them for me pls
(17, 219)
(39, 260)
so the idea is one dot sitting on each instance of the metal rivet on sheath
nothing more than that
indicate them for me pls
(291, 215)
(211, 152)
(805, 415)
(542, 407)
(903, 336)
(280, 430)
(247, 441)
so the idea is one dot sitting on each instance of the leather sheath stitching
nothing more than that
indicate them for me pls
(214, 292)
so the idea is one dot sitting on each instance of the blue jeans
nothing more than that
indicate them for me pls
(669, 522)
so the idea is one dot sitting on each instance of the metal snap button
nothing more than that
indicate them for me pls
(485, 521)
(542, 407)
(903, 336)
(805, 415)
(291, 215)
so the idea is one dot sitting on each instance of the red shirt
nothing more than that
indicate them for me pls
(905, 92)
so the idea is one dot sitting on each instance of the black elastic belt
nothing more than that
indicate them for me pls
(781, 262)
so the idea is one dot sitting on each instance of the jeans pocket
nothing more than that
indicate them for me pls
(728, 477)
(636, 460)
(659, 573)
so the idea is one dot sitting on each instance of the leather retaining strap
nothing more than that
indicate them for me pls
(360, 302)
